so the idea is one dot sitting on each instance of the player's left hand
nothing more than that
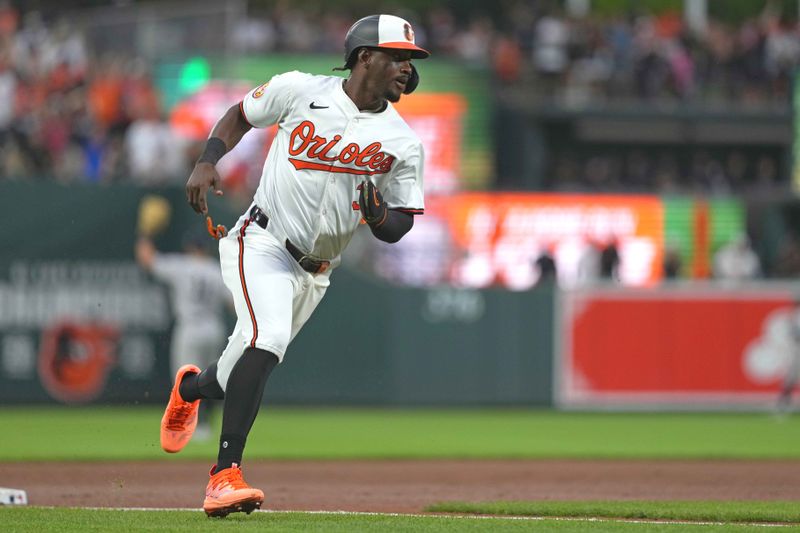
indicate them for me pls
(203, 177)
(373, 206)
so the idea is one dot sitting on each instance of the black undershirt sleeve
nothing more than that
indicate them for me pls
(394, 227)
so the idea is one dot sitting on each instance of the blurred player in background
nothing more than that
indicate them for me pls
(342, 154)
(792, 375)
(199, 300)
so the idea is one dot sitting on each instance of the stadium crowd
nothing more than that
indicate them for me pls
(73, 113)
(633, 55)
(718, 172)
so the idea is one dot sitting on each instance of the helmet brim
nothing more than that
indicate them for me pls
(416, 51)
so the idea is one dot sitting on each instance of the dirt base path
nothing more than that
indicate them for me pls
(404, 486)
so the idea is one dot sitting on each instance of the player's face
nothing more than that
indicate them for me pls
(390, 70)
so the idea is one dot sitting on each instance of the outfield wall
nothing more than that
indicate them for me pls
(681, 346)
(81, 323)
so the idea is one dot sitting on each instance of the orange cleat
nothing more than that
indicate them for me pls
(227, 492)
(180, 417)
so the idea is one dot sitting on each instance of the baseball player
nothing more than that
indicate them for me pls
(199, 299)
(342, 154)
(792, 375)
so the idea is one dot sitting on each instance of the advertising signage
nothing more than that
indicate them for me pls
(490, 239)
(675, 347)
(495, 239)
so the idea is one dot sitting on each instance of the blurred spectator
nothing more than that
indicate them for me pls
(637, 171)
(106, 87)
(58, 92)
(546, 267)
(550, 58)
(254, 35)
(736, 169)
(155, 154)
(9, 19)
(443, 29)
(95, 148)
(599, 174)
(666, 174)
(666, 171)
(736, 260)
(139, 97)
(672, 262)
(609, 261)
(8, 89)
(787, 264)
(766, 173)
(792, 375)
(473, 44)
(506, 59)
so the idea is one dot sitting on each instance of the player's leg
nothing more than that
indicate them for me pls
(293, 297)
(204, 342)
(788, 385)
(213, 343)
(265, 311)
(180, 420)
(262, 280)
(307, 299)
(205, 385)
(245, 392)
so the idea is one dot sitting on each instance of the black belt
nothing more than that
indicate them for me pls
(306, 262)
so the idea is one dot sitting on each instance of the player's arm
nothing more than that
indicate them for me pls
(397, 224)
(226, 134)
(388, 225)
(145, 253)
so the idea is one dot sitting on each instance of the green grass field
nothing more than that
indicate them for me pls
(117, 433)
(701, 511)
(131, 433)
(63, 520)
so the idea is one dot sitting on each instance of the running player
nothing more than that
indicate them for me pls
(342, 154)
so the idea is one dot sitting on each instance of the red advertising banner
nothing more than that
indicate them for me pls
(675, 347)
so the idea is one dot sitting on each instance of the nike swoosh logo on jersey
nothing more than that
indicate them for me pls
(314, 106)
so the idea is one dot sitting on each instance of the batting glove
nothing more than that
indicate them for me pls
(373, 207)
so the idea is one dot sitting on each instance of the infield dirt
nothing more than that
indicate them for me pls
(404, 486)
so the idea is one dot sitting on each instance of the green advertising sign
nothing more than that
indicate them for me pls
(697, 228)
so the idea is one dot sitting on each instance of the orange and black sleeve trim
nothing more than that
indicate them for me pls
(409, 210)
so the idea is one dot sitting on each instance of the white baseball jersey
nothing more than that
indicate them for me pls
(197, 293)
(198, 300)
(325, 147)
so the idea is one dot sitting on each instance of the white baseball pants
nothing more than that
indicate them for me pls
(272, 295)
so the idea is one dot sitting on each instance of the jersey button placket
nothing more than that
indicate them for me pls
(325, 195)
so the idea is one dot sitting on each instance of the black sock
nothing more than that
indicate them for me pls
(201, 386)
(243, 398)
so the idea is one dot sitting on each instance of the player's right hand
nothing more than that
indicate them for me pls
(203, 177)
(373, 206)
